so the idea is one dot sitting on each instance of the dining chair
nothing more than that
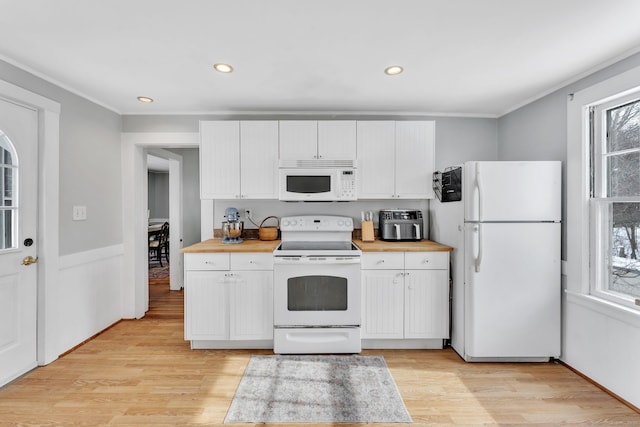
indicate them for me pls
(158, 247)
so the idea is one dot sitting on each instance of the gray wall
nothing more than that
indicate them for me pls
(158, 194)
(538, 131)
(90, 165)
(190, 195)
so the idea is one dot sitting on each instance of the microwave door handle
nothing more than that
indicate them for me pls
(397, 227)
(417, 228)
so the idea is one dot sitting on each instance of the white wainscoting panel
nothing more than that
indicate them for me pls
(603, 347)
(90, 294)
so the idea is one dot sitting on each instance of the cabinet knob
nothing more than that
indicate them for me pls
(426, 261)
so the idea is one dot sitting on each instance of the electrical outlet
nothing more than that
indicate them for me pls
(247, 213)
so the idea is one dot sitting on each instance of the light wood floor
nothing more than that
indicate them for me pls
(141, 372)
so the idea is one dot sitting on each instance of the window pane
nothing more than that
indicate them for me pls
(624, 175)
(7, 184)
(624, 266)
(7, 221)
(623, 127)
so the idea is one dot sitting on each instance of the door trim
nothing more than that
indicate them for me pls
(48, 214)
(134, 206)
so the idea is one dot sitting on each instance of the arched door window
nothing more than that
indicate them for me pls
(9, 196)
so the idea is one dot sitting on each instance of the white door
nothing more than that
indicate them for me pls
(220, 160)
(259, 159)
(298, 139)
(251, 305)
(337, 139)
(376, 159)
(512, 290)
(512, 191)
(415, 159)
(18, 239)
(382, 304)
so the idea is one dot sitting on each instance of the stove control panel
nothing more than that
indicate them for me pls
(316, 223)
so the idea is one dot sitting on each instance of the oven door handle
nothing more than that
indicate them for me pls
(316, 260)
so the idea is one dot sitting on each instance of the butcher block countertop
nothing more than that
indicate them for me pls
(421, 246)
(216, 245)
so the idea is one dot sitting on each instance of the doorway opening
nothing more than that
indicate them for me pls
(158, 203)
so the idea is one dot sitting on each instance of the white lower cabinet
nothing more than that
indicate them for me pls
(226, 307)
(405, 296)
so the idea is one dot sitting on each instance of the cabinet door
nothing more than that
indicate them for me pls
(259, 159)
(337, 139)
(298, 139)
(426, 304)
(251, 302)
(376, 159)
(206, 312)
(415, 154)
(220, 160)
(382, 304)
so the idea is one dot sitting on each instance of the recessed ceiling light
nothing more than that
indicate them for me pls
(393, 70)
(145, 99)
(223, 68)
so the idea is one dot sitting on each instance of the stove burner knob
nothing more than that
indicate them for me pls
(285, 222)
(340, 223)
(294, 222)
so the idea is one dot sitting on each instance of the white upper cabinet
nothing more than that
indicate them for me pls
(415, 159)
(298, 139)
(311, 139)
(376, 159)
(220, 159)
(238, 159)
(396, 159)
(259, 159)
(337, 139)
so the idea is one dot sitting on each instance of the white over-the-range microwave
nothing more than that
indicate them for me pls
(317, 180)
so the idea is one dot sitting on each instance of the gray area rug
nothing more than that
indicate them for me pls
(317, 389)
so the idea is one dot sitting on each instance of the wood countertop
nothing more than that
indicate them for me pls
(420, 246)
(216, 245)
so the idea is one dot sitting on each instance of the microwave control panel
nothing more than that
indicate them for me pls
(348, 185)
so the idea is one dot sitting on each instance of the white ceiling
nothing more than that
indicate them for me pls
(461, 57)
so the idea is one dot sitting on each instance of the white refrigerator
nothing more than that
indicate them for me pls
(506, 289)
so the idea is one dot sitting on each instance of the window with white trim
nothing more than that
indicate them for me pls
(8, 197)
(615, 199)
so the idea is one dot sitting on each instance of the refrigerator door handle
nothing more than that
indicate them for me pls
(478, 257)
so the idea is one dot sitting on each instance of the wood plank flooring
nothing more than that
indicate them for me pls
(142, 372)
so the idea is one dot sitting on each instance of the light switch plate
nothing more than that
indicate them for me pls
(79, 213)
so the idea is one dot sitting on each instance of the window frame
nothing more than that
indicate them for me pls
(600, 204)
(7, 145)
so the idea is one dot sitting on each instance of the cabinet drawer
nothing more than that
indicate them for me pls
(206, 261)
(383, 261)
(426, 260)
(252, 261)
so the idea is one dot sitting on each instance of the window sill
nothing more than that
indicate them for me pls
(607, 308)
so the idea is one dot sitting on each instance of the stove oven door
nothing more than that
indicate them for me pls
(316, 291)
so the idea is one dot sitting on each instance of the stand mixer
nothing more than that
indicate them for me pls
(232, 228)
